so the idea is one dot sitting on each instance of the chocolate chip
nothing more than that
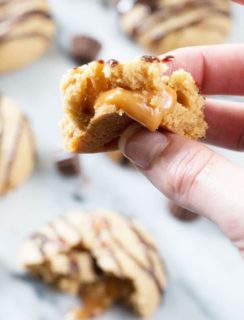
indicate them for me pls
(148, 58)
(112, 62)
(168, 59)
(181, 213)
(84, 49)
(67, 163)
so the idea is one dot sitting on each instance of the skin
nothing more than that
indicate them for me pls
(186, 171)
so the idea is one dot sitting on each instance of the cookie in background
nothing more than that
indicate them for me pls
(26, 30)
(17, 148)
(164, 25)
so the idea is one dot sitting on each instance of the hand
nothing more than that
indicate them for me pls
(186, 171)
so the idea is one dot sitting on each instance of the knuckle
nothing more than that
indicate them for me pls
(184, 171)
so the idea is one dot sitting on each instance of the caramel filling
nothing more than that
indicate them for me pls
(147, 109)
(99, 296)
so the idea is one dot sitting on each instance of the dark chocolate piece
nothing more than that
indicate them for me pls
(181, 213)
(84, 49)
(150, 59)
(112, 62)
(67, 163)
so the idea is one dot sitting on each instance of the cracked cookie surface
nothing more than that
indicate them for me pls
(102, 257)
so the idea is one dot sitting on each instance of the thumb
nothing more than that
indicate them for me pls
(191, 175)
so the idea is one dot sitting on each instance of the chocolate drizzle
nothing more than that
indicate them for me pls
(70, 225)
(1, 132)
(150, 59)
(8, 21)
(161, 35)
(7, 37)
(112, 62)
(13, 151)
(146, 248)
(104, 244)
(159, 12)
(41, 240)
(24, 16)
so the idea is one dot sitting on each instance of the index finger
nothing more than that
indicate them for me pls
(217, 69)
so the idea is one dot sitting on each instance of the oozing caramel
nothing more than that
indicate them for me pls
(146, 108)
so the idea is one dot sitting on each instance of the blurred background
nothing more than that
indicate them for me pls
(206, 274)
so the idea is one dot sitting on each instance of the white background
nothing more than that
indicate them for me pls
(206, 274)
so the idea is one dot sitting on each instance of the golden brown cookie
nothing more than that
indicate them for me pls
(17, 150)
(26, 29)
(101, 256)
(163, 25)
(102, 99)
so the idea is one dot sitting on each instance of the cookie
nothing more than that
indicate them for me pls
(26, 29)
(163, 25)
(17, 151)
(182, 213)
(119, 158)
(102, 99)
(101, 256)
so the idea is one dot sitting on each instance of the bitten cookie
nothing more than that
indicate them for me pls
(26, 29)
(102, 99)
(163, 25)
(17, 151)
(100, 256)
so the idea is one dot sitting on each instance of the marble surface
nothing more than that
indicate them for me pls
(206, 274)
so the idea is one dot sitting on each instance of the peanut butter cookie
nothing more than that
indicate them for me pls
(102, 99)
(17, 150)
(100, 256)
(163, 25)
(26, 29)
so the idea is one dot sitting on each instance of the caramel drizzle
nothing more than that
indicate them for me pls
(121, 246)
(11, 157)
(169, 11)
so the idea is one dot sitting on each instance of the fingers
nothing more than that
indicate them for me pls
(226, 124)
(191, 175)
(216, 69)
(239, 1)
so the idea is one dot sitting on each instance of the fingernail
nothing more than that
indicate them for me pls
(141, 146)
